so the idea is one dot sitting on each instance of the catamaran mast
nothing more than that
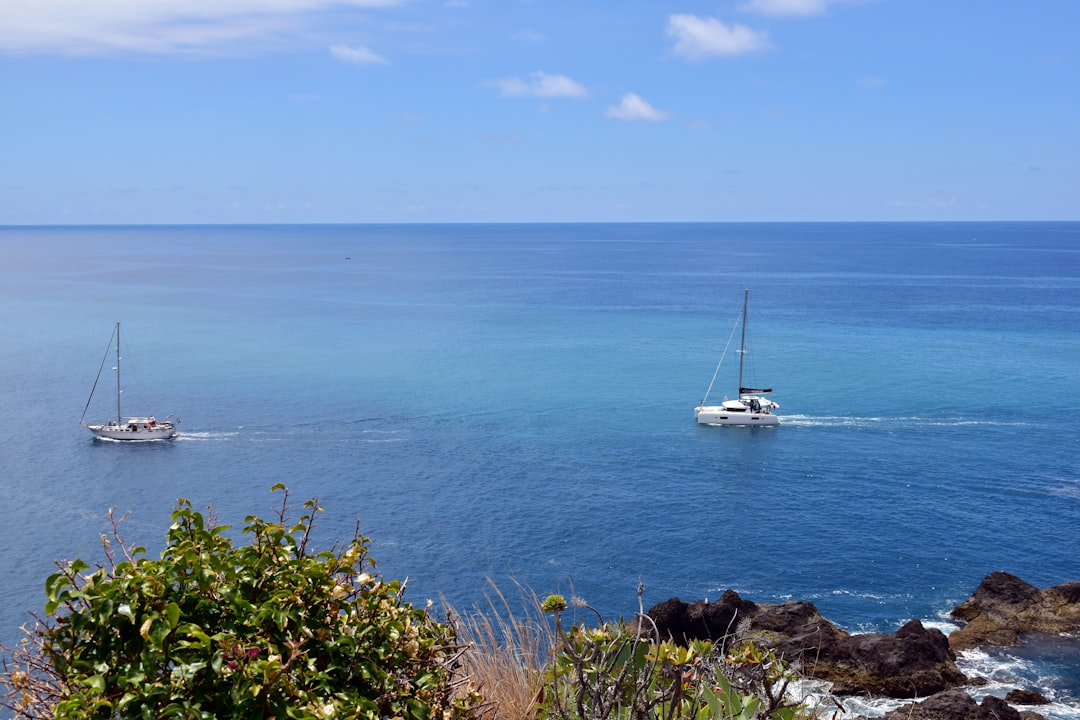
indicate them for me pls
(742, 341)
(118, 372)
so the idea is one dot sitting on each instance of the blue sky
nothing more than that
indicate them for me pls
(268, 111)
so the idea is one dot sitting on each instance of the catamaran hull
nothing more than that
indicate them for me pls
(161, 431)
(717, 415)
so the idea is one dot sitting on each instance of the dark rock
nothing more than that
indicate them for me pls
(914, 661)
(794, 629)
(720, 618)
(669, 620)
(1026, 697)
(999, 592)
(1004, 607)
(955, 705)
(701, 619)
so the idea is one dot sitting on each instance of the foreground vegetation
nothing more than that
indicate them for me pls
(275, 629)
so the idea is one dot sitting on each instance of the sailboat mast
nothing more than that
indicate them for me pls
(118, 374)
(742, 341)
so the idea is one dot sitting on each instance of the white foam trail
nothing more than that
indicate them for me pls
(207, 435)
(890, 422)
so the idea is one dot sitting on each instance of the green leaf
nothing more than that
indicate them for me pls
(104, 611)
(750, 708)
(172, 614)
(55, 583)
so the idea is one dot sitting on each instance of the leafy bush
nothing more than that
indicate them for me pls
(615, 672)
(274, 629)
(211, 629)
(529, 668)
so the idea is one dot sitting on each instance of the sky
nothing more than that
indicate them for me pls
(415, 111)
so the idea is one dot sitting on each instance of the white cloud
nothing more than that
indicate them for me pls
(360, 55)
(632, 107)
(540, 84)
(697, 38)
(786, 8)
(793, 8)
(75, 27)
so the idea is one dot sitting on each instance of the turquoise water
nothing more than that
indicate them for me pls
(515, 402)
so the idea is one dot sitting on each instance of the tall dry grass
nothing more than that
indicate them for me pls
(507, 649)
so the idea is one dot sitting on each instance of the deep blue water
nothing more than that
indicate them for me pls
(515, 402)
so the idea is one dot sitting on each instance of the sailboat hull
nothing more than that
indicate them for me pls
(133, 431)
(719, 415)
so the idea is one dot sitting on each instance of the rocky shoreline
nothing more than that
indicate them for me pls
(914, 662)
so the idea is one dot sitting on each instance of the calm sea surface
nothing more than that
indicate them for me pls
(515, 402)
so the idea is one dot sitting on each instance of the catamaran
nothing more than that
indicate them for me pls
(130, 427)
(749, 408)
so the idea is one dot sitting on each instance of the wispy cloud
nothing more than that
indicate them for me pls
(786, 8)
(360, 55)
(794, 8)
(540, 84)
(79, 27)
(697, 38)
(633, 107)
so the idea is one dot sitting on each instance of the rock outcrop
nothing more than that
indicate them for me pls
(914, 661)
(701, 620)
(1004, 607)
(955, 705)
(1026, 697)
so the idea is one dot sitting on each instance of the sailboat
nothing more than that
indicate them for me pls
(130, 427)
(750, 408)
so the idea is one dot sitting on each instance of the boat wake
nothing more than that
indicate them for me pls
(208, 435)
(263, 435)
(893, 423)
(382, 436)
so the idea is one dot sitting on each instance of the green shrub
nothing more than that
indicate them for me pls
(212, 629)
(615, 672)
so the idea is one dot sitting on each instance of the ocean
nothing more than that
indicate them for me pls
(514, 403)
